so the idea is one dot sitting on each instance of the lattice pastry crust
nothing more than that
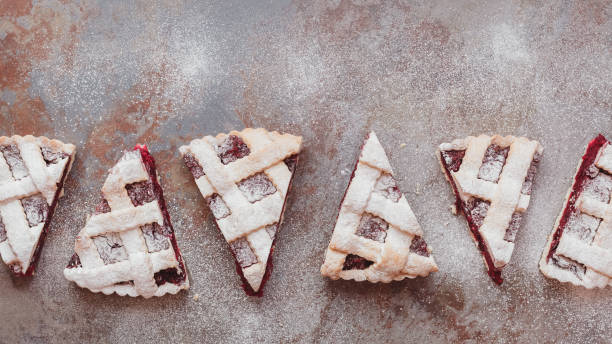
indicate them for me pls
(129, 246)
(579, 249)
(32, 173)
(377, 237)
(245, 176)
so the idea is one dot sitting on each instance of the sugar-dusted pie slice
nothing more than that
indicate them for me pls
(245, 177)
(128, 246)
(579, 249)
(492, 178)
(377, 237)
(32, 175)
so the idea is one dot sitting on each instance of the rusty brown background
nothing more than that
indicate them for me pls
(105, 75)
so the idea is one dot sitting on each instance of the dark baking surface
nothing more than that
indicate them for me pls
(105, 75)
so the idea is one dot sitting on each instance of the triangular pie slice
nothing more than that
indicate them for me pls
(245, 177)
(377, 237)
(32, 175)
(579, 249)
(492, 178)
(128, 246)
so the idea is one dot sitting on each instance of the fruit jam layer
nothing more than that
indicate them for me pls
(173, 275)
(43, 234)
(582, 176)
(493, 272)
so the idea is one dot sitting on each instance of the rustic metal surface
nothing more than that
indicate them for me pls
(105, 75)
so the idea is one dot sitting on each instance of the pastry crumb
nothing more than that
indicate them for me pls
(196, 297)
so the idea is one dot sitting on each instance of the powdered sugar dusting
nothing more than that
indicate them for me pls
(387, 187)
(583, 226)
(154, 237)
(256, 187)
(599, 188)
(243, 252)
(218, 206)
(2, 231)
(372, 227)
(492, 163)
(13, 159)
(419, 73)
(36, 209)
(110, 247)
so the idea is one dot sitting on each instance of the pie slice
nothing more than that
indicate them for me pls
(32, 175)
(245, 177)
(377, 237)
(579, 249)
(492, 178)
(128, 246)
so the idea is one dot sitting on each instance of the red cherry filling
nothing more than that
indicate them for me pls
(155, 237)
(598, 185)
(103, 207)
(75, 262)
(141, 192)
(452, 159)
(569, 264)
(232, 149)
(477, 209)
(372, 227)
(2, 232)
(217, 206)
(243, 253)
(515, 224)
(419, 246)
(256, 187)
(271, 230)
(531, 173)
(110, 248)
(493, 163)
(193, 165)
(36, 209)
(355, 262)
(12, 156)
(52, 157)
(387, 187)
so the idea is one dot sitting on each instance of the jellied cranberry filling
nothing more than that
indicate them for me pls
(232, 149)
(355, 262)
